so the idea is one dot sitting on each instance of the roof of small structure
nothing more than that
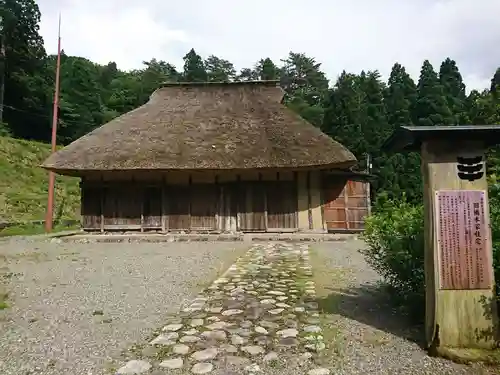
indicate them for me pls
(410, 138)
(215, 126)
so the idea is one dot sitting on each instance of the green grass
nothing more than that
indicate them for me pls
(3, 300)
(31, 229)
(326, 278)
(23, 185)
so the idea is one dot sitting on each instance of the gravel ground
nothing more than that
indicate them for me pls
(75, 306)
(372, 337)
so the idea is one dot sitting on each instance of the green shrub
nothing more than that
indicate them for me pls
(395, 237)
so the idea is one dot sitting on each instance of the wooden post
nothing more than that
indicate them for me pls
(346, 204)
(266, 222)
(104, 195)
(218, 198)
(164, 223)
(238, 203)
(461, 311)
(309, 213)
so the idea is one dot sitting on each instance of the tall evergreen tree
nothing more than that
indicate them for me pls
(341, 119)
(27, 99)
(194, 68)
(495, 83)
(401, 173)
(267, 70)
(219, 70)
(247, 74)
(400, 97)
(431, 107)
(454, 90)
(305, 85)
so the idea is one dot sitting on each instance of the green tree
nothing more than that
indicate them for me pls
(495, 83)
(194, 68)
(267, 69)
(27, 95)
(343, 114)
(481, 108)
(305, 85)
(247, 74)
(431, 107)
(156, 73)
(401, 172)
(454, 90)
(80, 97)
(219, 70)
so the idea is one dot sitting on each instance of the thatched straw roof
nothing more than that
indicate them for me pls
(204, 126)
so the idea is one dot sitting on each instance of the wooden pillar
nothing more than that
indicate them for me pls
(346, 204)
(303, 201)
(315, 201)
(164, 205)
(218, 227)
(103, 197)
(460, 307)
(461, 318)
(238, 202)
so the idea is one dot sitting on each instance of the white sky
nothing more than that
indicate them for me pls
(349, 34)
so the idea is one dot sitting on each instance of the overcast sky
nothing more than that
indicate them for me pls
(341, 34)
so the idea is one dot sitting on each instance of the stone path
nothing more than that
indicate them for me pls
(261, 313)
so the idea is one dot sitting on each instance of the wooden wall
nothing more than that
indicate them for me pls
(346, 203)
(199, 203)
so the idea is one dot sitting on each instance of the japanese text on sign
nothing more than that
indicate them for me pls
(463, 239)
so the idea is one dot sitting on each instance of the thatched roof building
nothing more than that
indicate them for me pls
(205, 156)
(217, 126)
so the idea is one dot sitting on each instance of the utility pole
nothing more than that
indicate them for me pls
(52, 177)
(2, 66)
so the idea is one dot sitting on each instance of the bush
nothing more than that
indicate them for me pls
(395, 237)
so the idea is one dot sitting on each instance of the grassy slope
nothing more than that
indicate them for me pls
(23, 184)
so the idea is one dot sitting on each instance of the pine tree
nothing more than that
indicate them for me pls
(454, 90)
(495, 83)
(267, 70)
(431, 107)
(342, 114)
(401, 173)
(247, 74)
(400, 97)
(305, 86)
(194, 68)
(219, 70)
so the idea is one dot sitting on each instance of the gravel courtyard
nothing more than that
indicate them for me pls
(78, 308)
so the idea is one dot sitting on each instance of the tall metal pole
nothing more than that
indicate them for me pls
(50, 199)
(2, 66)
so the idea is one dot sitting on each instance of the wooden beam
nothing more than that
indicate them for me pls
(103, 197)
(295, 196)
(190, 183)
(346, 205)
(266, 226)
(164, 212)
(217, 208)
(238, 203)
(309, 212)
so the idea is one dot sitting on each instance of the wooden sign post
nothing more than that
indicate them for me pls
(461, 310)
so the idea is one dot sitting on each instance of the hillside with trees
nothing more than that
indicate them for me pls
(359, 109)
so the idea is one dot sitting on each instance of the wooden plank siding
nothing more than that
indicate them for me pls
(346, 204)
(248, 206)
(91, 207)
(282, 205)
(152, 207)
(204, 205)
